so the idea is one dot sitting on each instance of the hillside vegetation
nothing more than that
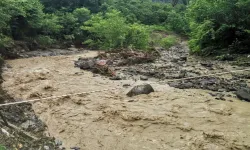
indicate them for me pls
(211, 26)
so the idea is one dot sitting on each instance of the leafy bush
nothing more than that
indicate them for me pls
(5, 41)
(201, 35)
(169, 41)
(137, 36)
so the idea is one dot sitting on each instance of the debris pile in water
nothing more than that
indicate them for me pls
(104, 63)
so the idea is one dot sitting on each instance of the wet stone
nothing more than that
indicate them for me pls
(143, 78)
(222, 90)
(243, 94)
(140, 89)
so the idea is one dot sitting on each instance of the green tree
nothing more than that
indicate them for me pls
(50, 25)
(108, 31)
(70, 5)
(82, 14)
(19, 18)
(137, 36)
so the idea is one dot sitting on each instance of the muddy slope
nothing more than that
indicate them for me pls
(170, 118)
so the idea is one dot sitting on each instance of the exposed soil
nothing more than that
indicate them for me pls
(169, 118)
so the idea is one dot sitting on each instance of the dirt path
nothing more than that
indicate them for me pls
(167, 119)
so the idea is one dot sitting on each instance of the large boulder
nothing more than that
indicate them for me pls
(140, 89)
(244, 94)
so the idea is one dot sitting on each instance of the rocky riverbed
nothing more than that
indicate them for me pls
(174, 63)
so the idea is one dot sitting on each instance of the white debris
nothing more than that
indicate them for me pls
(5, 132)
(46, 147)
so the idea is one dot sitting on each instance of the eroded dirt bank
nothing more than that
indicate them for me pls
(169, 118)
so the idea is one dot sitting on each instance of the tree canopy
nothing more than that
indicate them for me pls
(212, 26)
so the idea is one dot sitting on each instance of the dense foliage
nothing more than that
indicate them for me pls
(219, 25)
(111, 31)
(19, 19)
(212, 26)
(104, 24)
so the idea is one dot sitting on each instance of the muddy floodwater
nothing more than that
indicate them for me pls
(168, 119)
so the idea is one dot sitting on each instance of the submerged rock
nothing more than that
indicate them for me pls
(115, 78)
(140, 89)
(207, 64)
(75, 148)
(243, 94)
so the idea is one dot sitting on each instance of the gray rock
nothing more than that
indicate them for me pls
(73, 49)
(75, 148)
(222, 90)
(207, 64)
(116, 78)
(188, 85)
(140, 89)
(182, 73)
(174, 84)
(183, 58)
(220, 98)
(126, 85)
(213, 94)
(243, 94)
(58, 142)
(144, 78)
(175, 59)
(119, 76)
(28, 124)
(85, 63)
(8, 66)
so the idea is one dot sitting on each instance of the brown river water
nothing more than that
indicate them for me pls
(168, 119)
